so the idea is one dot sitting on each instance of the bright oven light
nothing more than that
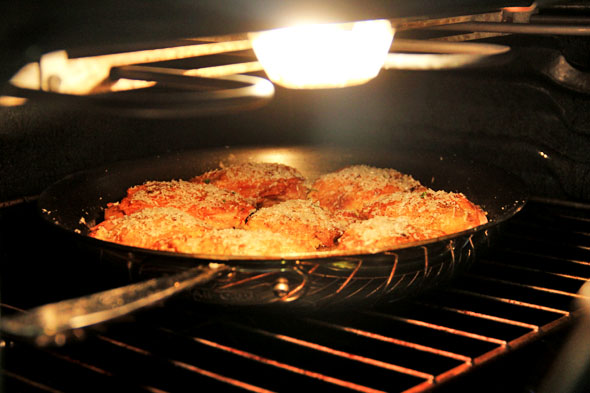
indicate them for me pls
(325, 55)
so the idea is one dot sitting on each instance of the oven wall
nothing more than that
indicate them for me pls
(520, 120)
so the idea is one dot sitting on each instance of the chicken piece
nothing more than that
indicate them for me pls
(152, 228)
(264, 183)
(220, 208)
(298, 218)
(241, 242)
(382, 233)
(443, 211)
(353, 187)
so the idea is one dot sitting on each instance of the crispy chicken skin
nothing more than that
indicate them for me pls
(264, 183)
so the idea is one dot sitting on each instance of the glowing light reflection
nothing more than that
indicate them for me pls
(280, 156)
(324, 55)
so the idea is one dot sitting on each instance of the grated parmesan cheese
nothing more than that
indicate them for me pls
(352, 187)
(261, 209)
(265, 183)
(298, 218)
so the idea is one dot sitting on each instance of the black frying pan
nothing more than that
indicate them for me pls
(77, 202)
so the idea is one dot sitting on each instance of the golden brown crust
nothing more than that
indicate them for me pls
(351, 188)
(264, 183)
(241, 242)
(152, 228)
(381, 233)
(443, 211)
(298, 218)
(221, 208)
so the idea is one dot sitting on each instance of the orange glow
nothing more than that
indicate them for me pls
(395, 341)
(210, 374)
(12, 101)
(352, 356)
(520, 9)
(285, 366)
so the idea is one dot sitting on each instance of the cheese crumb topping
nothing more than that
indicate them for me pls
(261, 209)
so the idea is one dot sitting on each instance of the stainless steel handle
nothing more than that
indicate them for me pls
(58, 318)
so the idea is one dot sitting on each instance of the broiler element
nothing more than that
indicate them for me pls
(438, 55)
(56, 72)
(325, 55)
(118, 82)
(121, 82)
(313, 56)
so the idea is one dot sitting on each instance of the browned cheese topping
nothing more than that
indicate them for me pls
(264, 183)
(242, 242)
(380, 233)
(447, 212)
(221, 208)
(153, 227)
(354, 186)
(298, 218)
(264, 209)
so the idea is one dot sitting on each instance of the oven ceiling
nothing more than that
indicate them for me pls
(35, 28)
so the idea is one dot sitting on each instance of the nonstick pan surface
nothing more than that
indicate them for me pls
(77, 203)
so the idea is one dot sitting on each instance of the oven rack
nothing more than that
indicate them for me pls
(527, 289)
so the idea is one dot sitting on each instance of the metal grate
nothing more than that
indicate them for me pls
(517, 295)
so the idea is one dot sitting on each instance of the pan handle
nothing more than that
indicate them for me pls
(56, 319)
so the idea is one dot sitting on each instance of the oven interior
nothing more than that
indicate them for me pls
(504, 325)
